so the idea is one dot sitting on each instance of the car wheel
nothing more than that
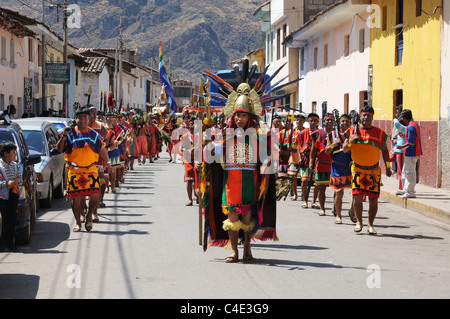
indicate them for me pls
(47, 202)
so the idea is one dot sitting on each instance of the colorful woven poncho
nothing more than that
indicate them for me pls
(237, 185)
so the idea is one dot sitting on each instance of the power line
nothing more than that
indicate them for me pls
(29, 6)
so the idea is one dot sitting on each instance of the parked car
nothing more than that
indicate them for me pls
(59, 122)
(41, 137)
(27, 208)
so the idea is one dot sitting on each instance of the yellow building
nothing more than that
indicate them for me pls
(405, 59)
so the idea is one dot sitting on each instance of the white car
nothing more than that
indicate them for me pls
(41, 137)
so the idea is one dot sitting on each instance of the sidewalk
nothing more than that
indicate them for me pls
(431, 202)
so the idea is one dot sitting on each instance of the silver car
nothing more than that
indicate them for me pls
(41, 137)
(59, 122)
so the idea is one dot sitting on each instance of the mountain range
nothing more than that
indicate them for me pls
(195, 35)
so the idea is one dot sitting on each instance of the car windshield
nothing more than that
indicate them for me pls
(35, 142)
(7, 136)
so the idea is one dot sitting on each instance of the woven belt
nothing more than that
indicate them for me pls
(367, 168)
(77, 167)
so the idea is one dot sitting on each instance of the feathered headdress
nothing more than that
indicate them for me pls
(247, 98)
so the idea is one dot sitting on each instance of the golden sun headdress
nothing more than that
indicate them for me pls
(246, 95)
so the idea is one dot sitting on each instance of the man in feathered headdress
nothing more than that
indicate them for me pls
(239, 195)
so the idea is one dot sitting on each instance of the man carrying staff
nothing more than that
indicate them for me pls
(341, 175)
(83, 146)
(365, 144)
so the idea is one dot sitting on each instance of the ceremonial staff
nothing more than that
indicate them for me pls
(336, 124)
(208, 122)
(89, 95)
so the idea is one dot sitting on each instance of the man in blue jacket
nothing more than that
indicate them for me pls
(412, 151)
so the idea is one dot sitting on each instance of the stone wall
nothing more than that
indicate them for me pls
(444, 134)
(313, 7)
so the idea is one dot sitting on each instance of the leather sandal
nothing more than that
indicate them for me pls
(232, 259)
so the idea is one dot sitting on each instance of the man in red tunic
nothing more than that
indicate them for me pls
(323, 160)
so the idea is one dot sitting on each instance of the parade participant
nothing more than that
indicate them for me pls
(305, 144)
(283, 138)
(294, 158)
(141, 133)
(365, 144)
(113, 150)
(152, 140)
(82, 146)
(10, 180)
(168, 128)
(398, 138)
(341, 175)
(322, 161)
(123, 155)
(244, 184)
(131, 142)
(190, 175)
(102, 163)
(412, 150)
(159, 139)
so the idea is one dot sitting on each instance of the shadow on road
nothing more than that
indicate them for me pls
(19, 286)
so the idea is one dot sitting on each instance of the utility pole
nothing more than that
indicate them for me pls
(116, 86)
(65, 53)
(44, 67)
(120, 62)
(151, 81)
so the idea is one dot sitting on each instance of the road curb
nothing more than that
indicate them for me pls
(418, 207)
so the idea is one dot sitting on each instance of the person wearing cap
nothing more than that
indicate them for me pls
(412, 150)
(82, 146)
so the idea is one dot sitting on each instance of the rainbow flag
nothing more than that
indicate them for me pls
(164, 80)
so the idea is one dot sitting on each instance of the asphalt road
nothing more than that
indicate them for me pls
(146, 246)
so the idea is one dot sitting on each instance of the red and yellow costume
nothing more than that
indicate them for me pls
(366, 173)
(82, 154)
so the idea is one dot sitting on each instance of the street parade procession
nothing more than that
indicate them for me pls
(237, 165)
(299, 153)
